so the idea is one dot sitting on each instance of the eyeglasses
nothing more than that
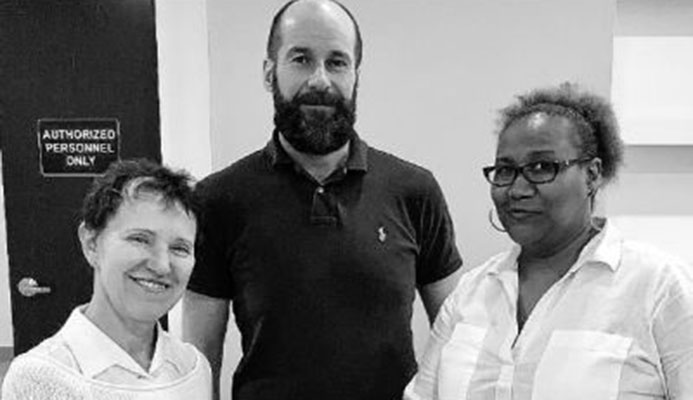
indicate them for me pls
(536, 172)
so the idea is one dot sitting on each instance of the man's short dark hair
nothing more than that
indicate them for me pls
(274, 40)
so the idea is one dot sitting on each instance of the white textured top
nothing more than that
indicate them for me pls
(617, 326)
(82, 362)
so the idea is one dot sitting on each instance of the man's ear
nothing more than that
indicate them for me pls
(87, 238)
(268, 74)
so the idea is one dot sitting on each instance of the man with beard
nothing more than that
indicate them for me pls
(319, 240)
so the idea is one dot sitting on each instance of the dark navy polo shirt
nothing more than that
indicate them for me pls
(322, 277)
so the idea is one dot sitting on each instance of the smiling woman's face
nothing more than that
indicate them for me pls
(142, 258)
(539, 216)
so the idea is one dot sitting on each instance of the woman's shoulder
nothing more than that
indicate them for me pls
(43, 372)
(495, 264)
(472, 278)
(37, 374)
(53, 350)
(667, 277)
(190, 358)
(201, 364)
(649, 259)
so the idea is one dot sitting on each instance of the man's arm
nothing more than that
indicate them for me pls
(434, 293)
(439, 265)
(204, 326)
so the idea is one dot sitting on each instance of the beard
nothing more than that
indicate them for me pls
(316, 132)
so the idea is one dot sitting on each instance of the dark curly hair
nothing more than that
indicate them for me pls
(592, 114)
(127, 179)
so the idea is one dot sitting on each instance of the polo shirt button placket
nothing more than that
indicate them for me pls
(322, 211)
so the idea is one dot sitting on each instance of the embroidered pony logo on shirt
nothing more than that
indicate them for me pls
(382, 234)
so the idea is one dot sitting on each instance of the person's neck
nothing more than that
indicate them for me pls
(558, 256)
(319, 166)
(136, 338)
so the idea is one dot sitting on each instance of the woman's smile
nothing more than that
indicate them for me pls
(151, 285)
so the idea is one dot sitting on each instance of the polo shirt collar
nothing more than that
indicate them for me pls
(357, 160)
(95, 352)
(507, 262)
(604, 249)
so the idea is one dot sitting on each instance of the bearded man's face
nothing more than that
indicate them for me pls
(315, 121)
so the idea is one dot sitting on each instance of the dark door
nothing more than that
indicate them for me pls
(65, 59)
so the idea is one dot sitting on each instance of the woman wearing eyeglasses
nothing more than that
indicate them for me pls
(572, 310)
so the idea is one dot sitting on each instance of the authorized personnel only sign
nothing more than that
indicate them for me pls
(77, 146)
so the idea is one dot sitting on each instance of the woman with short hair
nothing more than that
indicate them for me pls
(573, 310)
(138, 234)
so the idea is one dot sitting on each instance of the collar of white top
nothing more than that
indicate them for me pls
(95, 351)
(603, 249)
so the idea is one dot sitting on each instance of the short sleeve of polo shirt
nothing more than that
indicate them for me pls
(438, 254)
(211, 275)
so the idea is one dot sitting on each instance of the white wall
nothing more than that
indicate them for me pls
(433, 74)
(184, 96)
(653, 197)
(181, 32)
(6, 339)
(654, 17)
